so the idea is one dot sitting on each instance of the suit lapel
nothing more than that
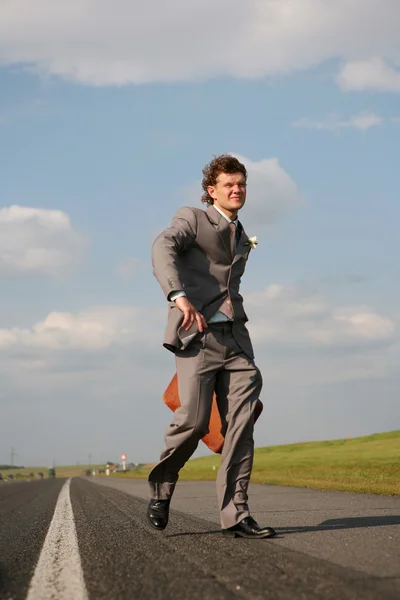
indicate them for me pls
(242, 249)
(222, 226)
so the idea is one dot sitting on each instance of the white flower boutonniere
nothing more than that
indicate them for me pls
(252, 242)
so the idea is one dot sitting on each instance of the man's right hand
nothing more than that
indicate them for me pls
(191, 314)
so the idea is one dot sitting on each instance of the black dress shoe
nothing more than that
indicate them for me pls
(158, 512)
(250, 529)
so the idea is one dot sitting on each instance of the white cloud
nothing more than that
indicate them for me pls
(100, 43)
(38, 240)
(373, 74)
(271, 192)
(280, 316)
(115, 352)
(106, 365)
(362, 121)
(95, 329)
(292, 318)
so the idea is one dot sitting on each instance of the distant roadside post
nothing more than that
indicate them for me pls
(123, 460)
(107, 469)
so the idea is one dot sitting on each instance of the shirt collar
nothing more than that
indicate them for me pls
(225, 216)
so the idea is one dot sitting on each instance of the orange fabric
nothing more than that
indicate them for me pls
(214, 439)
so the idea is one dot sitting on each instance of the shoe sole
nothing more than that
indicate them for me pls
(235, 534)
(155, 527)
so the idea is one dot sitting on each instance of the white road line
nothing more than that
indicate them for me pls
(58, 574)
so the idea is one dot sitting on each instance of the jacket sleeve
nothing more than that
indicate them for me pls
(167, 247)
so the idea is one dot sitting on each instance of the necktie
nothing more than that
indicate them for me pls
(232, 231)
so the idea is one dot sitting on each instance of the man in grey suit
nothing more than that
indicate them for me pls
(199, 261)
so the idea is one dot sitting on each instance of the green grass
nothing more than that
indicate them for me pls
(62, 471)
(369, 464)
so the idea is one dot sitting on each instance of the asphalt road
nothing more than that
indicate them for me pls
(329, 545)
(26, 509)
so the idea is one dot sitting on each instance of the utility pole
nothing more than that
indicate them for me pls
(12, 454)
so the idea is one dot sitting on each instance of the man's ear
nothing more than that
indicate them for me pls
(211, 191)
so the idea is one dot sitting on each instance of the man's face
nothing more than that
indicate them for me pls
(229, 192)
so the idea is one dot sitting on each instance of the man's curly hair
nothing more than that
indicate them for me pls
(225, 163)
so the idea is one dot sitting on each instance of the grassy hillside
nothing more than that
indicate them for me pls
(369, 464)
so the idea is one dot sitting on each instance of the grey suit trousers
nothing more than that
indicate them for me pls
(213, 362)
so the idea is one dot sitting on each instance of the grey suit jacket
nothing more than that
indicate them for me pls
(193, 255)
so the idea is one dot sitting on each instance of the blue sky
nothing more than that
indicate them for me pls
(101, 142)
